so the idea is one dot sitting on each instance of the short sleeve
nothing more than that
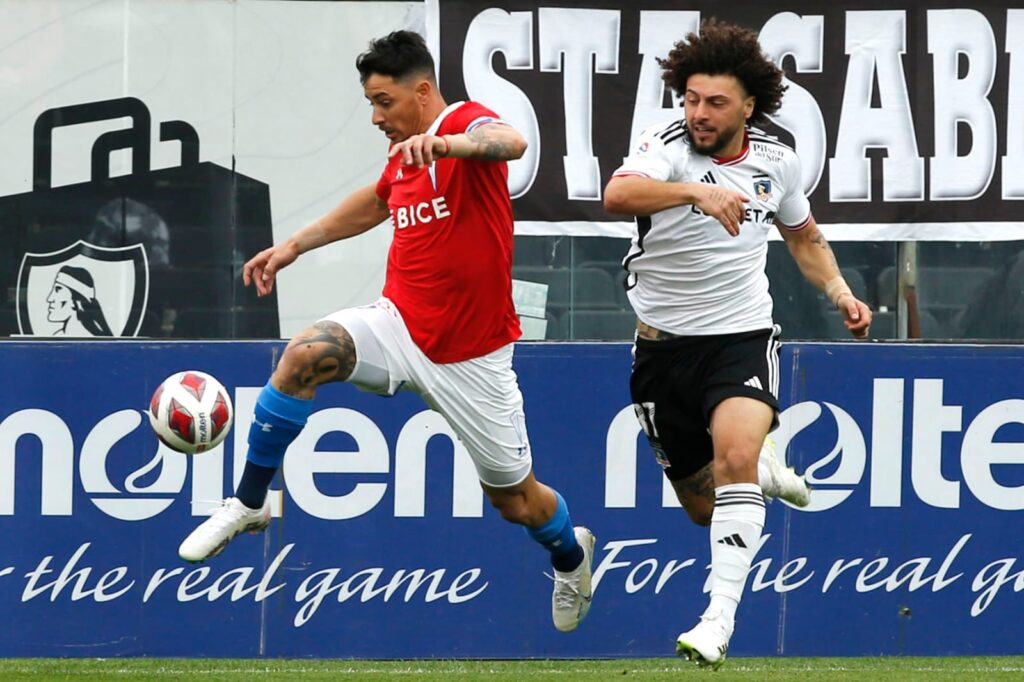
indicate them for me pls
(468, 117)
(649, 158)
(794, 208)
(384, 185)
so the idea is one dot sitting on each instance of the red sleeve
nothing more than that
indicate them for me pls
(383, 188)
(467, 117)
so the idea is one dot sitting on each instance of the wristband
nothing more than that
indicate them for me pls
(447, 145)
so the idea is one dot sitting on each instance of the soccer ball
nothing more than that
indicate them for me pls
(190, 412)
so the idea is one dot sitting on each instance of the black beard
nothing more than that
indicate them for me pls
(708, 150)
(713, 148)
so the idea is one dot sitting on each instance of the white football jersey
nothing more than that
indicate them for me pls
(687, 274)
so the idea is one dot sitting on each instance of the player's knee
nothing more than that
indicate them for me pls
(513, 508)
(295, 363)
(734, 463)
(314, 356)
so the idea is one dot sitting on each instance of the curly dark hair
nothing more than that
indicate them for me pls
(398, 54)
(727, 49)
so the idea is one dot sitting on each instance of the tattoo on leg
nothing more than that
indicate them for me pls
(700, 484)
(330, 355)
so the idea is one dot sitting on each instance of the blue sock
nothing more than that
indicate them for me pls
(558, 537)
(277, 420)
(252, 487)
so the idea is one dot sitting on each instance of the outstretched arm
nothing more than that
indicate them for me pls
(812, 253)
(490, 142)
(356, 213)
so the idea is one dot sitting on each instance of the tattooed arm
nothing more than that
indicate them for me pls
(812, 253)
(491, 142)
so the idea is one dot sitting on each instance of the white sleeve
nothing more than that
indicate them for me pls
(649, 158)
(794, 209)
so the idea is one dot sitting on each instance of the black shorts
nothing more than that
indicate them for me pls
(676, 384)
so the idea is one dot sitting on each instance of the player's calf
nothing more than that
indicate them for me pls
(696, 493)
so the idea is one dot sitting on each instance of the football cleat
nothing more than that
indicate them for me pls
(211, 536)
(708, 642)
(571, 597)
(779, 481)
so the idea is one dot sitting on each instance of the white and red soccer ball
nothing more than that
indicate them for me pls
(191, 412)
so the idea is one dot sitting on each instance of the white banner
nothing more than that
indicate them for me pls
(909, 120)
(270, 87)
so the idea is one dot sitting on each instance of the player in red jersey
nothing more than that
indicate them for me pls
(444, 327)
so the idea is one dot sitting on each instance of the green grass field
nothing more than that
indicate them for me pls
(802, 669)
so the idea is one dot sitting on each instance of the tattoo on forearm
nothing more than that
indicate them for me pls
(819, 239)
(330, 355)
(489, 148)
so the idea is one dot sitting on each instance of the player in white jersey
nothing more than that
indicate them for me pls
(706, 191)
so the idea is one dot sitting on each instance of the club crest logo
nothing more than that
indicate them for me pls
(763, 189)
(83, 290)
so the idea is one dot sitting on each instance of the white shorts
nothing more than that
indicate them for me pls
(479, 398)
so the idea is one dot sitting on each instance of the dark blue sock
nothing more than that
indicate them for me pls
(558, 537)
(252, 488)
(277, 420)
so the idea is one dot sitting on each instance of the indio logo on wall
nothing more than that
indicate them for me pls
(83, 290)
(151, 253)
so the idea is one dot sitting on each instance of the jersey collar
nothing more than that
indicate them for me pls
(432, 130)
(736, 158)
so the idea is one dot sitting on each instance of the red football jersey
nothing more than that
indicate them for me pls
(450, 265)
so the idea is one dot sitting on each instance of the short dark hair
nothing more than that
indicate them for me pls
(398, 54)
(727, 49)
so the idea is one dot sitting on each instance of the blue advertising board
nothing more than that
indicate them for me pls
(383, 545)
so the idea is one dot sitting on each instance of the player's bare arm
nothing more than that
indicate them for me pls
(356, 214)
(636, 195)
(817, 262)
(490, 142)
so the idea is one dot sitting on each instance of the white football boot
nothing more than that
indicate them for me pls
(570, 600)
(779, 481)
(708, 642)
(211, 536)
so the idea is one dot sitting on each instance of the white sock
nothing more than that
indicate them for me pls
(736, 526)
